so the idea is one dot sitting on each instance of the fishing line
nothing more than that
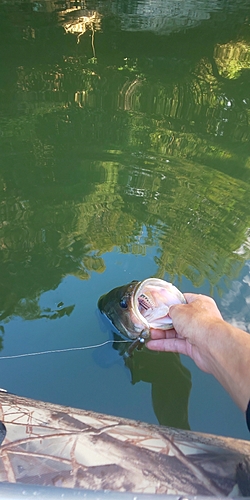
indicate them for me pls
(54, 351)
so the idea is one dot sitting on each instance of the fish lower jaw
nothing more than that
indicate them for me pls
(140, 333)
(145, 334)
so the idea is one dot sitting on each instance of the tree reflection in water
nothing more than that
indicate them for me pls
(121, 135)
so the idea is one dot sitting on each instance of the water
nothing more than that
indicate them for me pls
(124, 154)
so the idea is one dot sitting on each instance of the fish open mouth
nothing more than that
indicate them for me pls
(151, 301)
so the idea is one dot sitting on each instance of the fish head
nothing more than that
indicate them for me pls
(137, 307)
(117, 306)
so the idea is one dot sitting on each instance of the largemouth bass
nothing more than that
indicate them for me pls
(137, 307)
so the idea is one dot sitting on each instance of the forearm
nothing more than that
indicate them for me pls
(230, 360)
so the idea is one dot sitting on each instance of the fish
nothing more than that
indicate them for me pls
(137, 307)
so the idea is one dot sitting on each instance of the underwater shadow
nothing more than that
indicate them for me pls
(170, 381)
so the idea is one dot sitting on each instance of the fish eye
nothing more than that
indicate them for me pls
(123, 303)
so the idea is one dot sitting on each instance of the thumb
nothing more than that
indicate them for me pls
(170, 311)
(172, 308)
(175, 309)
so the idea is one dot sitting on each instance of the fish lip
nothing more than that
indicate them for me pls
(134, 303)
(121, 328)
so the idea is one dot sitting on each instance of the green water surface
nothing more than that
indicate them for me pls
(124, 154)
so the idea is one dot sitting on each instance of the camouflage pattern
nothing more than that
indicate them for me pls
(47, 444)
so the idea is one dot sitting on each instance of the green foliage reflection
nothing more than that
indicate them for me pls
(96, 151)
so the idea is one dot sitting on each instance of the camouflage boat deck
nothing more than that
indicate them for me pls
(50, 445)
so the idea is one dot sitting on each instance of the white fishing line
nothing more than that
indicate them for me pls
(55, 351)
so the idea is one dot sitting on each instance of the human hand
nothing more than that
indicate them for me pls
(195, 333)
(214, 345)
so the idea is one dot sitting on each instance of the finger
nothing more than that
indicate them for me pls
(162, 334)
(168, 345)
(191, 297)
